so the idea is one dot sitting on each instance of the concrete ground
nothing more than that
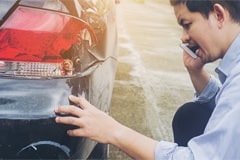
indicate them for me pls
(151, 82)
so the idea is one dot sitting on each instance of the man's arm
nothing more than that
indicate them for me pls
(99, 126)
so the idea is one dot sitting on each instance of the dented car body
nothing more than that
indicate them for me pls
(50, 49)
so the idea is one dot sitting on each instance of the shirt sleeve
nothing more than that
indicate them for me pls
(210, 91)
(171, 151)
(218, 142)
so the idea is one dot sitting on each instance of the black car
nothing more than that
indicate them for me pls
(50, 49)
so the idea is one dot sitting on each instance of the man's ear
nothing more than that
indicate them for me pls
(220, 14)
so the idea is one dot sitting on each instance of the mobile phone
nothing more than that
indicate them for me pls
(185, 47)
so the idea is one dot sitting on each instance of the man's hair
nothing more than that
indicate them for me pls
(206, 6)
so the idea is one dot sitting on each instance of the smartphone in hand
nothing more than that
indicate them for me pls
(185, 47)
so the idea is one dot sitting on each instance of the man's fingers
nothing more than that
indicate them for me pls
(75, 132)
(83, 103)
(79, 132)
(74, 99)
(69, 120)
(73, 110)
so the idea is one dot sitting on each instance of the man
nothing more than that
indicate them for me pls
(213, 27)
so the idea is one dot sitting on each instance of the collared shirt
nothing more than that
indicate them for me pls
(220, 140)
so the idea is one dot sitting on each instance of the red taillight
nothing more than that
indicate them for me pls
(34, 43)
(39, 35)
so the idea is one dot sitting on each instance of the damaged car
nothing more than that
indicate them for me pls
(50, 49)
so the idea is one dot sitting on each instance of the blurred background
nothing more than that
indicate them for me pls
(151, 81)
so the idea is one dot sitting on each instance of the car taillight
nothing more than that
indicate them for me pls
(35, 70)
(38, 43)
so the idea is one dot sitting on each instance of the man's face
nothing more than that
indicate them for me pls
(200, 32)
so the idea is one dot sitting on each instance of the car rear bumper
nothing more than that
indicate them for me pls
(27, 120)
(35, 139)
